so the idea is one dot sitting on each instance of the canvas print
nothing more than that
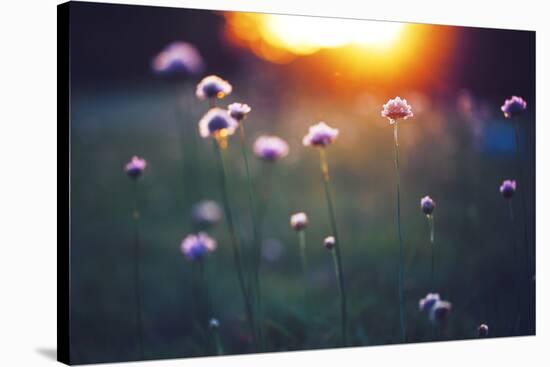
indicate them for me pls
(250, 183)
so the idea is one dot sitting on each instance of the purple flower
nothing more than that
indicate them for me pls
(217, 122)
(320, 135)
(440, 311)
(134, 169)
(483, 331)
(178, 57)
(213, 86)
(329, 242)
(513, 106)
(427, 205)
(195, 247)
(426, 303)
(397, 108)
(508, 188)
(238, 110)
(270, 148)
(298, 221)
(206, 213)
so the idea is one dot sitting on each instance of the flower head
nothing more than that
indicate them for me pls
(270, 148)
(238, 110)
(320, 135)
(508, 188)
(195, 247)
(483, 331)
(427, 205)
(134, 169)
(396, 109)
(329, 242)
(440, 311)
(178, 57)
(206, 213)
(298, 221)
(426, 303)
(213, 323)
(513, 106)
(217, 122)
(213, 86)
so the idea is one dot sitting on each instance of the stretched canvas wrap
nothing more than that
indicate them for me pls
(245, 183)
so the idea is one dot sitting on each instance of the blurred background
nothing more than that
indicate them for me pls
(295, 71)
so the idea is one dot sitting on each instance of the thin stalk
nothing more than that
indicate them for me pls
(401, 249)
(255, 233)
(515, 324)
(432, 246)
(305, 272)
(217, 342)
(233, 239)
(338, 257)
(137, 271)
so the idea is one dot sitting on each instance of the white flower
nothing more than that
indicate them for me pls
(397, 108)
(270, 148)
(216, 121)
(238, 110)
(298, 221)
(320, 135)
(213, 86)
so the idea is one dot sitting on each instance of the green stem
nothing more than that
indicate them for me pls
(515, 324)
(401, 249)
(255, 234)
(431, 225)
(339, 271)
(233, 239)
(217, 342)
(305, 272)
(137, 271)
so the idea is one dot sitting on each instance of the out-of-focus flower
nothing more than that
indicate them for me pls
(396, 109)
(217, 122)
(440, 311)
(483, 331)
(298, 221)
(508, 188)
(134, 169)
(426, 303)
(320, 135)
(272, 250)
(178, 57)
(213, 323)
(329, 242)
(513, 106)
(270, 148)
(238, 110)
(206, 213)
(212, 87)
(195, 247)
(427, 205)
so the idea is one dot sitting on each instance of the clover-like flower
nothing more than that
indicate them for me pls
(396, 109)
(320, 135)
(238, 110)
(427, 205)
(440, 311)
(217, 122)
(178, 57)
(213, 323)
(513, 106)
(426, 303)
(329, 242)
(298, 221)
(196, 247)
(206, 213)
(270, 148)
(508, 188)
(134, 169)
(212, 87)
(483, 331)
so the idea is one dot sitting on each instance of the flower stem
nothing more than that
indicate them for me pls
(338, 258)
(401, 249)
(305, 272)
(233, 239)
(255, 234)
(137, 271)
(431, 225)
(217, 342)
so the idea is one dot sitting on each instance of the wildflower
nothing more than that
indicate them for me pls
(320, 135)
(214, 323)
(270, 148)
(329, 242)
(178, 57)
(483, 331)
(238, 110)
(508, 188)
(218, 124)
(212, 87)
(426, 303)
(206, 213)
(397, 108)
(195, 247)
(513, 106)
(440, 311)
(134, 169)
(299, 221)
(427, 205)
